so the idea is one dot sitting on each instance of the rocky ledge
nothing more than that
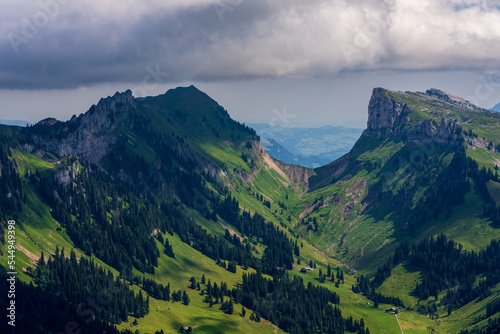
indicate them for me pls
(88, 135)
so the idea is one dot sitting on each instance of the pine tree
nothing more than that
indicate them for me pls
(185, 298)
(42, 259)
(192, 280)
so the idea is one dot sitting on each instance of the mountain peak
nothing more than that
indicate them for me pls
(385, 112)
(190, 90)
(118, 99)
(393, 113)
(90, 134)
(48, 121)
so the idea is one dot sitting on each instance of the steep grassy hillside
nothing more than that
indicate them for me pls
(363, 205)
(114, 183)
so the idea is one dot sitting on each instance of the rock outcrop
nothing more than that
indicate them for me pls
(388, 116)
(89, 135)
(451, 99)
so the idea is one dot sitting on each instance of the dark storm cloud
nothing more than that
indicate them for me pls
(76, 48)
(85, 44)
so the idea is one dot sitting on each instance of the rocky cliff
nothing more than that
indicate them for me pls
(388, 116)
(413, 118)
(386, 113)
(89, 135)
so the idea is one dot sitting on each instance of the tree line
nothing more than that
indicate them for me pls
(96, 292)
(291, 305)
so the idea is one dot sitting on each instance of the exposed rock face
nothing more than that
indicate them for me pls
(385, 112)
(387, 117)
(89, 135)
(298, 174)
(65, 176)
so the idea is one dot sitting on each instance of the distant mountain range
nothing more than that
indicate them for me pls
(496, 107)
(15, 122)
(309, 147)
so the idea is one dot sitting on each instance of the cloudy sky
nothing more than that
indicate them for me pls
(303, 62)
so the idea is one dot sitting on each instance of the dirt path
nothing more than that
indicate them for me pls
(399, 324)
(317, 250)
(355, 295)
(385, 241)
(271, 324)
(231, 231)
(33, 257)
(363, 248)
(351, 270)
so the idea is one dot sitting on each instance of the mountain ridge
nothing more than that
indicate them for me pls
(177, 167)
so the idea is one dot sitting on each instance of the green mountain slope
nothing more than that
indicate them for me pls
(426, 165)
(402, 177)
(167, 189)
(119, 181)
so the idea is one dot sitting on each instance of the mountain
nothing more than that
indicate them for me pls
(14, 122)
(404, 162)
(425, 166)
(162, 212)
(309, 147)
(496, 107)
